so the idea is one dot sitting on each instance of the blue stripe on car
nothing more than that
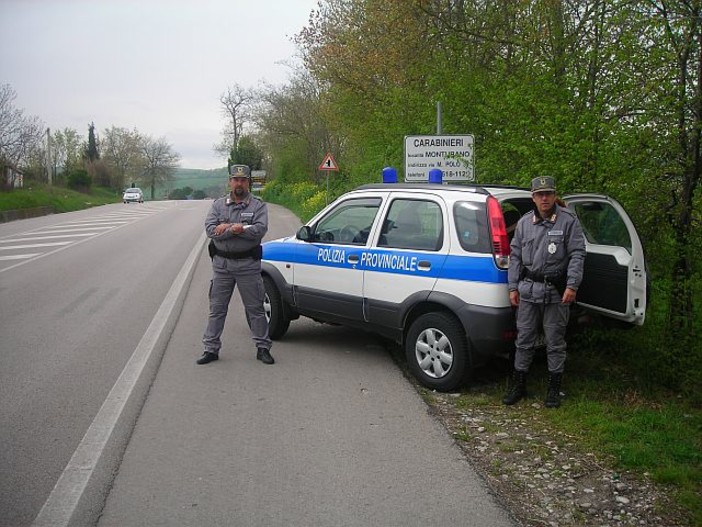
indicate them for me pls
(450, 267)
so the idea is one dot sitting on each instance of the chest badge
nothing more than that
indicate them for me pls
(552, 248)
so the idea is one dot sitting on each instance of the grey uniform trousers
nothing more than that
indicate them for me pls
(531, 317)
(251, 291)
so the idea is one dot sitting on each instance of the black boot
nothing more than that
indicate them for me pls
(517, 390)
(264, 356)
(553, 396)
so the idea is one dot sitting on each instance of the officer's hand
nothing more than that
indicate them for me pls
(237, 228)
(219, 229)
(568, 296)
(514, 298)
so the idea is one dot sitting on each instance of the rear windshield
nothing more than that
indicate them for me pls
(471, 225)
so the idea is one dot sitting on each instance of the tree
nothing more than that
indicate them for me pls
(236, 104)
(246, 153)
(19, 135)
(122, 152)
(160, 162)
(293, 128)
(91, 151)
(65, 151)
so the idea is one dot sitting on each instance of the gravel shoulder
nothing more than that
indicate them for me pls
(541, 474)
(544, 476)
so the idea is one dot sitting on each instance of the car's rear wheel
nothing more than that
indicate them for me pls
(278, 321)
(437, 351)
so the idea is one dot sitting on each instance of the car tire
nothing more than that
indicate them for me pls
(278, 321)
(437, 351)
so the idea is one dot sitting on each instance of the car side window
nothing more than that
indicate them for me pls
(413, 224)
(471, 226)
(602, 224)
(349, 223)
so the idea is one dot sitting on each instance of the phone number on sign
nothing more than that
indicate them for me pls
(463, 174)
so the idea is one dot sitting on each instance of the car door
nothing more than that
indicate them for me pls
(402, 265)
(614, 283)
(328, 282)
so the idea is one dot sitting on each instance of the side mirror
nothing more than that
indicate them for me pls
(304, 233)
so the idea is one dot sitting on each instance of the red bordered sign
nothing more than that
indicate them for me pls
(328, 163)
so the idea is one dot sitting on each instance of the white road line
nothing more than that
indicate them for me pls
(18, 257)
(60, 228)
(32, 245)
(30, 238)
(79, 481)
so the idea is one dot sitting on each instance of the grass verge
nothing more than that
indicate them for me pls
(59, 198)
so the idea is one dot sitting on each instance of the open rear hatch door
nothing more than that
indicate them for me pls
(614, 283)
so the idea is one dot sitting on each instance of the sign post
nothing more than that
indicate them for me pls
(328, 164)
(452, 154)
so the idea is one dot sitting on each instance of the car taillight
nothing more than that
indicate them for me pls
(498, 233)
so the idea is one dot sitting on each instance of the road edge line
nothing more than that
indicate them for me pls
(79, 494)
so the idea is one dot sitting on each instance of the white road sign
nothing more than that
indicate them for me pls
(452, 154)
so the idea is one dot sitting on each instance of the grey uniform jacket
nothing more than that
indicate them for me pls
(253, 214)
(550, 247)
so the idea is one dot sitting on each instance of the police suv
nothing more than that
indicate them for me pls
(426, 265)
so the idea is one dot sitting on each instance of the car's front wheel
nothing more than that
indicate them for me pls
(278, 321)
(437, 351)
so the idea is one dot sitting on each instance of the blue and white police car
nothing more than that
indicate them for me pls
(426, 266)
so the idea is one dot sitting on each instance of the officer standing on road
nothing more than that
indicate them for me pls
(236, 225)
(545, 270)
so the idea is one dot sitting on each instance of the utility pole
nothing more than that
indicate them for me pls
(439, 119)
(49, 172)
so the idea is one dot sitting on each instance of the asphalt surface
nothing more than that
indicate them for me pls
(332, 434)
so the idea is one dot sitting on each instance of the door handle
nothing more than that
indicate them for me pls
(353, 259)
(424, 265)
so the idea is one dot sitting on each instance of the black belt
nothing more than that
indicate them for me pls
(535, 277)
(558, 281)
(255, 252)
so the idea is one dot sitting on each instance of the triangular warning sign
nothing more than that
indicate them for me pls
(328, 163)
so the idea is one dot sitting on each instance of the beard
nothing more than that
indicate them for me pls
(239, 191)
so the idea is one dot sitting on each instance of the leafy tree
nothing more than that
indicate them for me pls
(160, 162)
(65, 151)
(20, 135)
(122, 152)
(246, 153)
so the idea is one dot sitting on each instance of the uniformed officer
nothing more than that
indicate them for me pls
(235, 225)
(545, 270)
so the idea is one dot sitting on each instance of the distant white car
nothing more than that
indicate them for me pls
(133, 194)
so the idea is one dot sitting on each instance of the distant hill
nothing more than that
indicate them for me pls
(193, 177)
(212, 182)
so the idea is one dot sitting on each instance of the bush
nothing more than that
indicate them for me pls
(79, 180)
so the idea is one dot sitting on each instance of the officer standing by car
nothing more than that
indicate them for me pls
(545, 269)
(236, 225)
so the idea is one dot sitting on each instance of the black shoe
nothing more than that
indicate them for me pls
(264, 356)
(207, 357)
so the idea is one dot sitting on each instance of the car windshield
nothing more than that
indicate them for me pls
(133, 190)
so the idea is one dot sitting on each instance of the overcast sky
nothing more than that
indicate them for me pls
(159, 66)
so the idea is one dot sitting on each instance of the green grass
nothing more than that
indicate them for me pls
(60, 199)
(656, 433)
(661, 437)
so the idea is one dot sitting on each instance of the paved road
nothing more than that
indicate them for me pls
(70, 317)
(332, 434)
